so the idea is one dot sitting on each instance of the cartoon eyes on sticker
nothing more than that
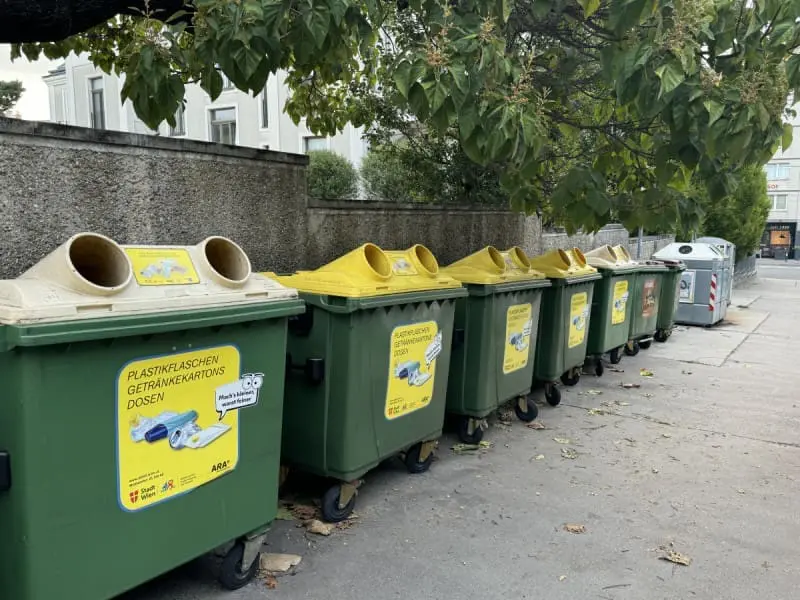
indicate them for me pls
(252, 381)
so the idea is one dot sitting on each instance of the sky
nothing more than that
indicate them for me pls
(34, 104)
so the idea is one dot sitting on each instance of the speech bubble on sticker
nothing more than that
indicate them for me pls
(238, 394)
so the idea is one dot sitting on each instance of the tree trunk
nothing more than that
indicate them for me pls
(53, 20)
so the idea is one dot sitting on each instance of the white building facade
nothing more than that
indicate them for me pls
(82, 95)
(783, 187)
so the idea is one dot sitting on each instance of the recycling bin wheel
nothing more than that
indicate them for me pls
(465, 435)
(571, 377)
(599, 369)
(552, 394)
(415, 463)
(529, 413)
(645, 344)
(332, 510)
(615, 356)
(632, 348)
(662, 335)
(231, 575)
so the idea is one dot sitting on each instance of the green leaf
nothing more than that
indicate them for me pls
(467, 121)
(671, 76)
(418, 101)
(402, 77)
(589, 7)
(317, 20)
(786, 138)
(715, 110)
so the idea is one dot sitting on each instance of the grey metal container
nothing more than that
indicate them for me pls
(728, 250)
(701, 300)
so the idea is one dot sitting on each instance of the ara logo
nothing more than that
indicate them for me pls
(220, 466)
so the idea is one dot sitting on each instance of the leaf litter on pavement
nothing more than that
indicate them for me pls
(538, 425)
(645, 373)
(483, 446)
(574, 528)
(569, 453)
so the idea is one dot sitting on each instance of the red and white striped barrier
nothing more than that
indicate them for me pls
(712, 299)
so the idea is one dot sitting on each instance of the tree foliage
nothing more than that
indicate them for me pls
(331, 176)
(637, 96)
(10, 93)
(739, 217)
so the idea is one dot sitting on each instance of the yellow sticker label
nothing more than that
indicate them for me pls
(519, 323)
(162, 266)
(618, 309)
(178, 422)
(412, 367)
(401, 264)
(578, 318)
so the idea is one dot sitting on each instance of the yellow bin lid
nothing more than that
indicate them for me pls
(370, 271)
(562, 264)
(491, 266)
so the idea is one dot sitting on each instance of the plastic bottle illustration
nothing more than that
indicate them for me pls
(164, 429)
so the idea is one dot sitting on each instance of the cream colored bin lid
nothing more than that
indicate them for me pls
(91, 276)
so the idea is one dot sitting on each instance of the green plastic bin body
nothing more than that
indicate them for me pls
(366, 408)
(492, 358)
(670, 297)
(66, 532)
(563, 326)
(611, 310)
(646, 299)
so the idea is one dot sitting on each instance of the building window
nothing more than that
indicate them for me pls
(180, 122)
(97, 103)
(778, 201)
(264, 108)
(60, 105)
(777, 171)
(313, 143)
(223, 125)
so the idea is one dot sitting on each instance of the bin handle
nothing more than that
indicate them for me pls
(5, 471)
(313, 369)
(458, 337)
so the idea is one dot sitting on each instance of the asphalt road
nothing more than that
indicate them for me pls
(777, 269)
(702, 459)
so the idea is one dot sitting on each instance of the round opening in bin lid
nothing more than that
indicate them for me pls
(227, 259)
(685, 249)
(377, 261)
(519, 258)
(426, 261)
(99, 261)
(496, 257)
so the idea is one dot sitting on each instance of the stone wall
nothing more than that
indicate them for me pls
(56, 181)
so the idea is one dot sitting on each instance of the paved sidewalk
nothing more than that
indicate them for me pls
(702, 459)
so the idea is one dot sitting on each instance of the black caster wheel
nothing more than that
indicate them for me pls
(464, 433)
(571, 378)
(632, 348)
(231, 575)
(645, 344)
(414, 464)
(615, 356)
(332, 512)
(599, 369)
(553, 395)
(661, 336)
(531, 410)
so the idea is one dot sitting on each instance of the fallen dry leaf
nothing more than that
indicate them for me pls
(468, 448)
(594, 392)
(304, 512)
(539, 457)
(284, 514)
(562, 440)
(575, 528)
(616, 370)
(645, 373)
(666, 435)
(569, 453)
(279, 563)
(562, 577)
(629, 386)
(596, 411)
(270, 581)
(536, 425)
(318, 527)
(677, 558)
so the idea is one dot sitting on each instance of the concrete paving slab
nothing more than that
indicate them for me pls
(710, 346)
(741, 319)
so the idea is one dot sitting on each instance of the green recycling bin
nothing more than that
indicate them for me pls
(139, 415)
(367, 367)
(670, 297)
(611, 308)
(565, 319)
(645, 302)
(495, 338)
